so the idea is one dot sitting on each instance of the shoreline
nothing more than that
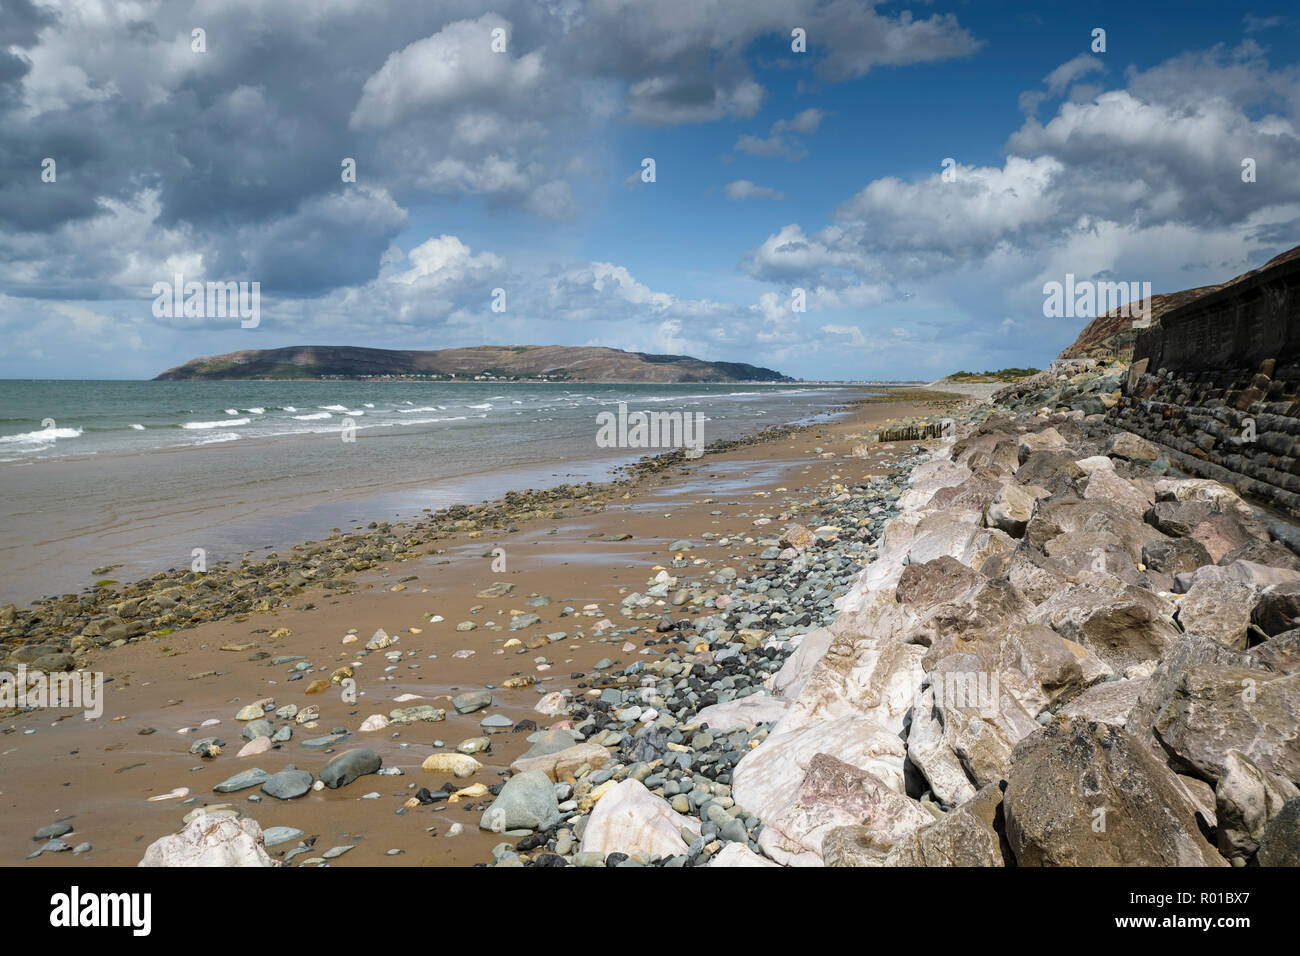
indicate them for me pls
(186, 677)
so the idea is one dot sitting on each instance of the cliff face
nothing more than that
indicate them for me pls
(576, 364)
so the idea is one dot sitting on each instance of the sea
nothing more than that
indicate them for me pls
(136, 475)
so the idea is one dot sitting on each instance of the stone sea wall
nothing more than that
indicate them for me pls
(1217, 385)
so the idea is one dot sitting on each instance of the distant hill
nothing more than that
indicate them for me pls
(1111, 336)
(530, 362)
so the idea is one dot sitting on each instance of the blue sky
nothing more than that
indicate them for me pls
(519, 170)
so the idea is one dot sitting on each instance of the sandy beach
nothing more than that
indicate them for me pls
(98, 776)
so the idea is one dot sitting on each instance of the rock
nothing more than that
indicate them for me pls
(552, 704)
(798, 537)
(630, 819)
(1280, 843)
(737, 854)
(471, 701)
(742, 713)
(1278, 609)
(274, 836)
(496, 724)
(526, 802)
(524, 620)
(258, 745)
(1122, 628)
(1174, 556)
(53, 830)
(1010, 510)
(459, 765)
(1109, 702)
(348, 766)
(242, 781)
(288, 783)
(1216, 530)
(834, 794)
(250, 712)
(549, 742)
(210, 841)
(970, 835)
(1219, 610)
(561, 765)
(1105, 485)
(1192, 650)
(789, 680)
(1082, 793)
(258, 728)
(204, 746)
(1217, 709)
(1132, 447)
(1246, 799)
(766, 776)
(374, 722)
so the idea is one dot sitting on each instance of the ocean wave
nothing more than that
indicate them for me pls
(232, 411)
(228, 423)
(138, 428)
(422, 408)
(484, 405)
(313, 417)
(256, 411)
(218, 439)
(44, 435)
(333, 408)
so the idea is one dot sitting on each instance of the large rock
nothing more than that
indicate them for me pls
(1061, 514)
(561, 765)
(1219, 610)
(1132, 447)
(348, 766)
(834, 794)
(1278, 609)
(1246, 799)
(970, 835)
(1087, 794)
(1218, 531)
(630, 819)
(526, 802)
(863, 677)
(738, 855)
(766, 776)
(1280, 653)
(1280, 843)
(788, 681)
(1122, 628)
(210, 840)
(742, 713)
(1192, 650)
(1109, 702)
(458, 765)
(1217, 709)
(1105, 485)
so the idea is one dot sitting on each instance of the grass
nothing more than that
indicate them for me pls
(1001, 375)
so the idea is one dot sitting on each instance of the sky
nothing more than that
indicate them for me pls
(912, 177)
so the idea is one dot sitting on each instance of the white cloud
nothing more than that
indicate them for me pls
(744, 189)
(454, 66)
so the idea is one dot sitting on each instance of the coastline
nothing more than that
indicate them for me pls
(159, 685)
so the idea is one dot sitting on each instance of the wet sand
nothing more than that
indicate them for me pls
(97, 775)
